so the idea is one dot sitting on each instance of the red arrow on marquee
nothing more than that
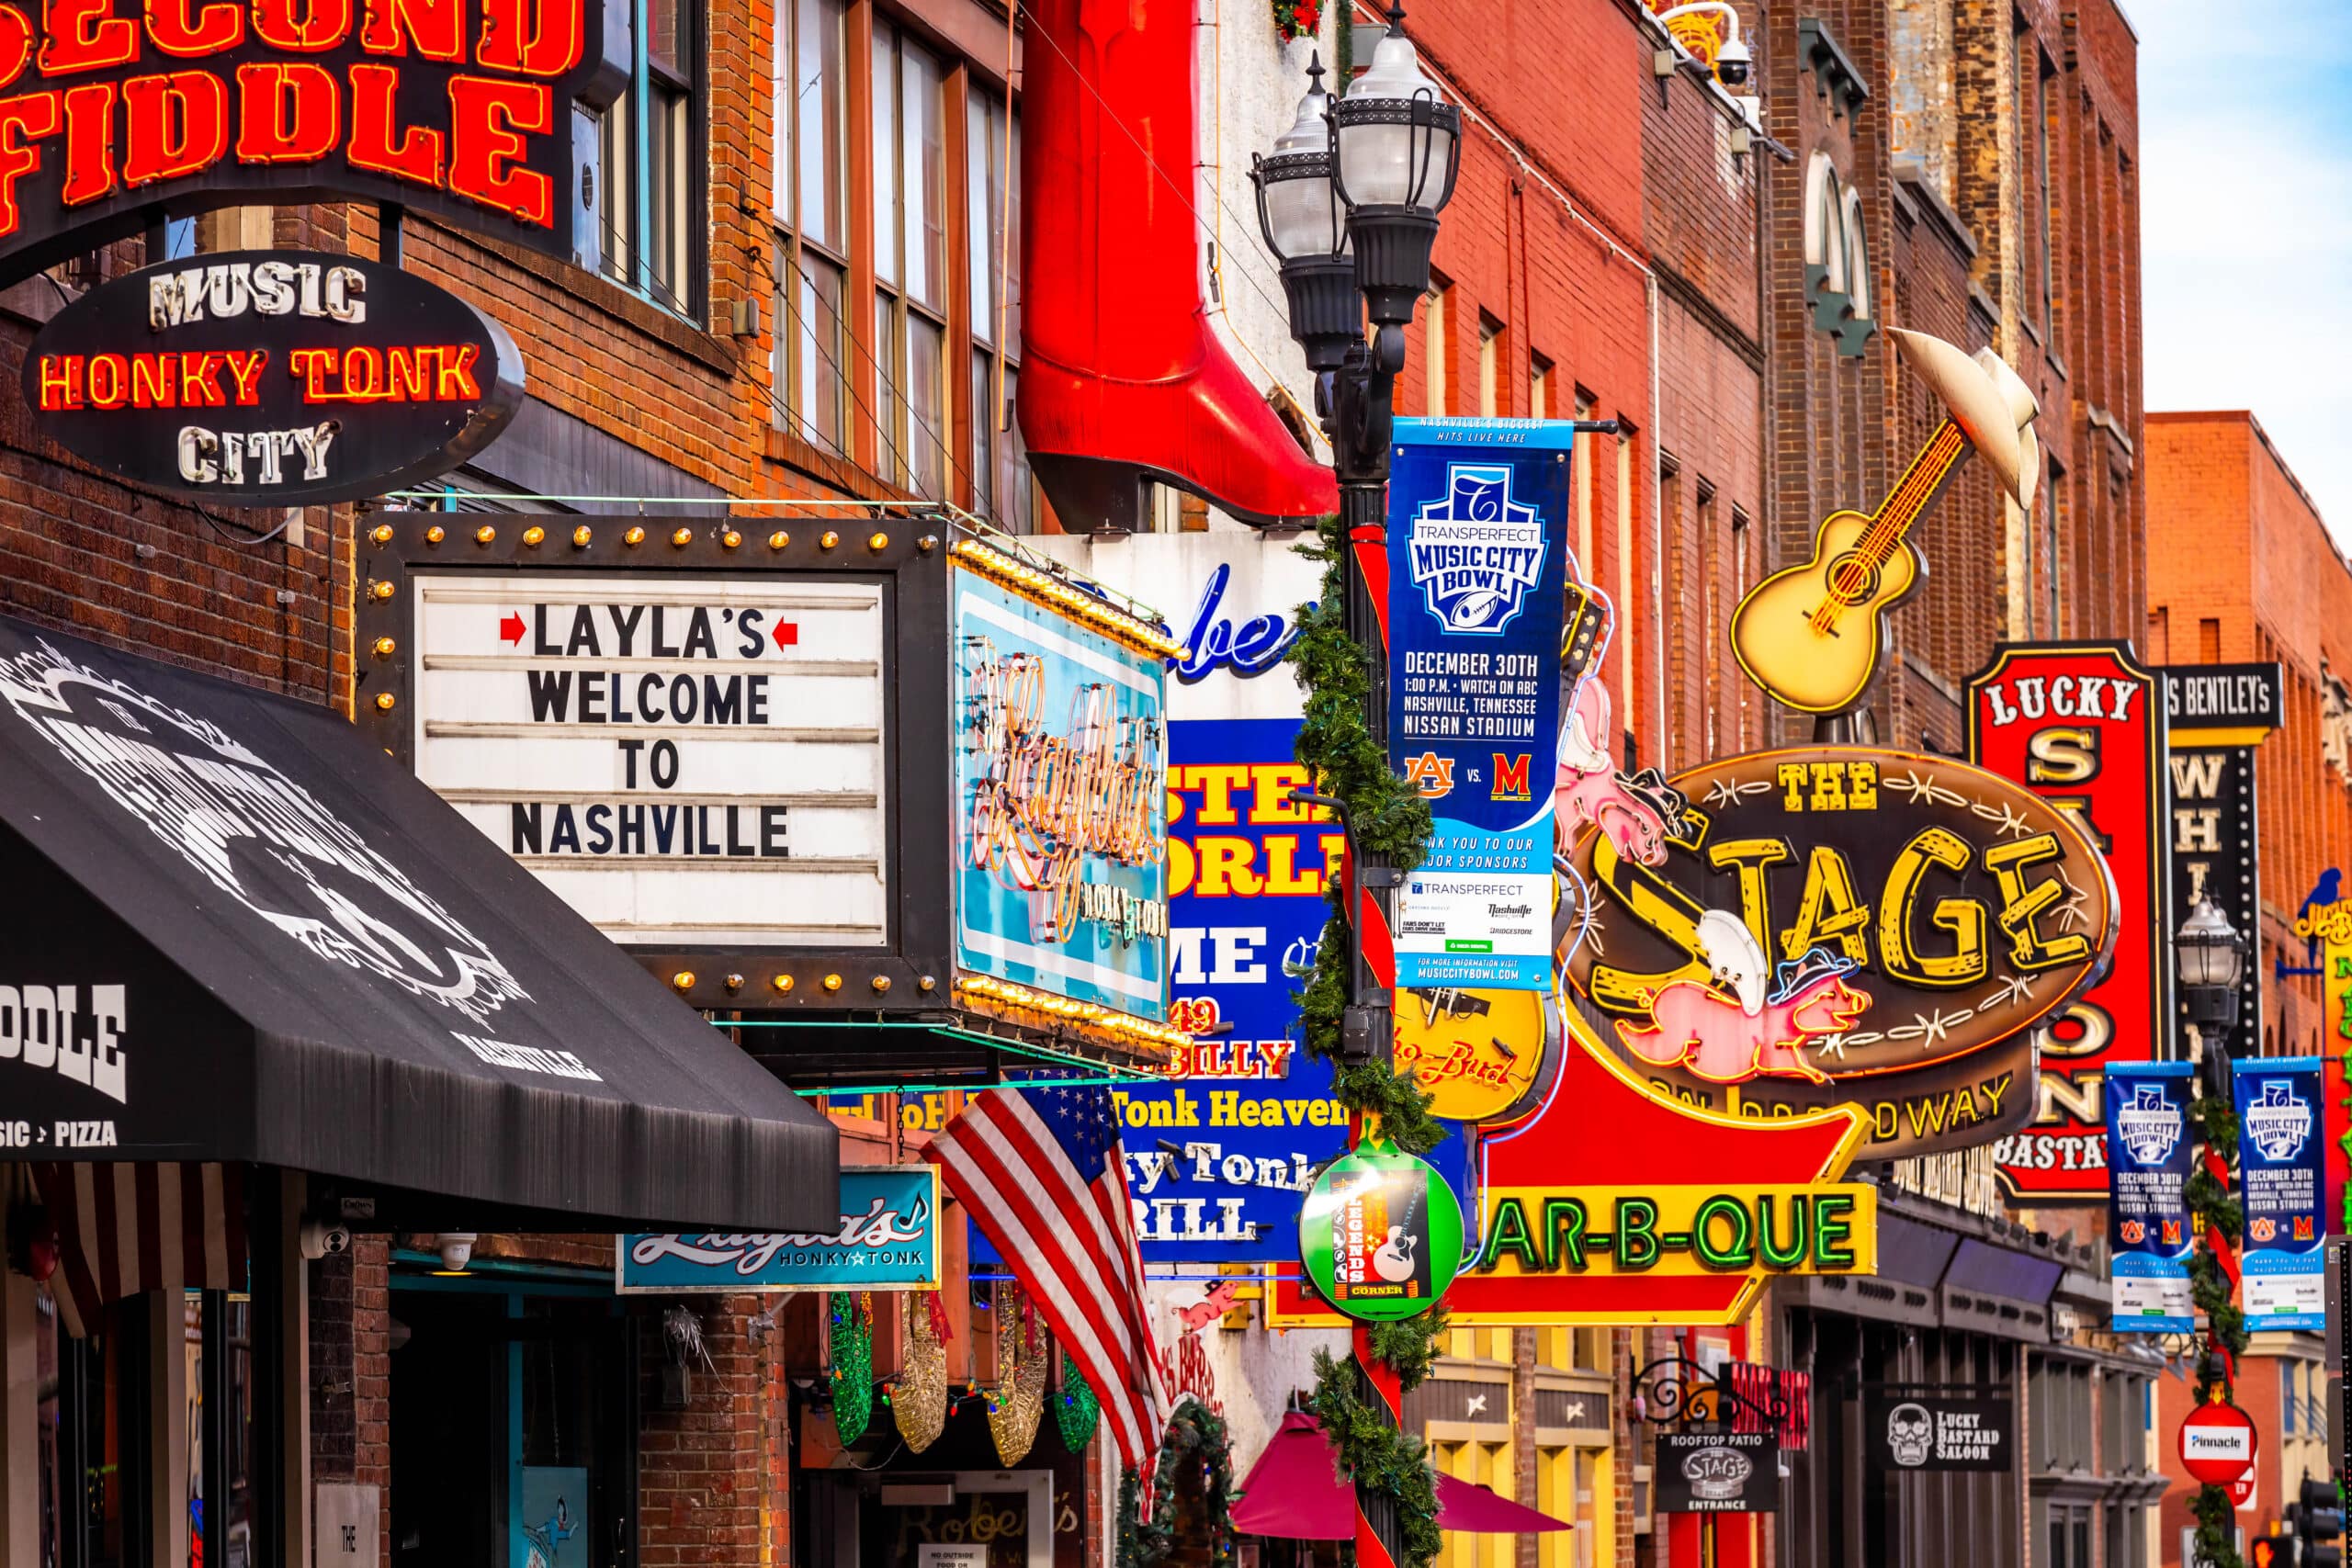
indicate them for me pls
(510, 629)
(787, 634)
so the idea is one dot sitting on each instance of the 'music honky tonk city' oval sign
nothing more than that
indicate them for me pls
(272, 378)
(1836, 925)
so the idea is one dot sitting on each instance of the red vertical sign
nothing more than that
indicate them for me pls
(2082, 725)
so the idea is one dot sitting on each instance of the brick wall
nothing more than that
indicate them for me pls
(1544, 236)
(2242, 568)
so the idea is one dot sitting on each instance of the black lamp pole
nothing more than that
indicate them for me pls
(1349, 204)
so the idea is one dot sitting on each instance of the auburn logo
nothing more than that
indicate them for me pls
(1432, 774)
(1511, 777)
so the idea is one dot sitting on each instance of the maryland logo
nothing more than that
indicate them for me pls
(1475, 552)
(2172, 1232)
(1511, 778)
(1433, 774)
(2303, 1227)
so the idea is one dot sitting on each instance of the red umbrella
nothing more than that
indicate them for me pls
(1295, 1492)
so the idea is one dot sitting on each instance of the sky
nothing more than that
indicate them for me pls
(2246, 223)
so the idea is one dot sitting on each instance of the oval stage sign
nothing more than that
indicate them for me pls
(272, 378)
(1845, 926)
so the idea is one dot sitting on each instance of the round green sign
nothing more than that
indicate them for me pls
(1380, 1234)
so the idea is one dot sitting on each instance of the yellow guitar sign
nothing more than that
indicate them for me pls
(1811, 636)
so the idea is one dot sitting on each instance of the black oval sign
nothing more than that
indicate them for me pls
(272, 378)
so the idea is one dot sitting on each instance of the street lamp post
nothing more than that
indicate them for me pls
(1348, 202)
(2208, 959)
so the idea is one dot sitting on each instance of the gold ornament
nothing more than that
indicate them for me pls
(919, 1397)
(1019, 1396)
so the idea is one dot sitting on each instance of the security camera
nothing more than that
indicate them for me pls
(320, 1239)
(456, 1249)
(1731, 63)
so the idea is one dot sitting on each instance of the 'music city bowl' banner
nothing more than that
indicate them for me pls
(1474, 609)
(2150, 1152)
(2282, 1187)
(2082, 725)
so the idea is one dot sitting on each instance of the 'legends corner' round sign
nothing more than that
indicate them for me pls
(1380, 1234)
(2217, 1444)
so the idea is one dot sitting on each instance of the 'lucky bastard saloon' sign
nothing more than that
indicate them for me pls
(481, 113)
(1839, 926)
(272, 378)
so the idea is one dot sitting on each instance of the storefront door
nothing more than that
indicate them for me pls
(959, 1519)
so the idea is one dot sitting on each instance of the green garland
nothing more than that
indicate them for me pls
(2210, 1204)
(851, 1344)
(1389, 819)
(1195, 1435)
(1076, 1412)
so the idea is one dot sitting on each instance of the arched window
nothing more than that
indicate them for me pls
(1836, 258)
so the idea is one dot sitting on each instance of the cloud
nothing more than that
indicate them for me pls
(2246, 240)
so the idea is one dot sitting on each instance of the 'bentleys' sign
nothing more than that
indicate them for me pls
(682, 732)
(889, 1240)
(272, 378)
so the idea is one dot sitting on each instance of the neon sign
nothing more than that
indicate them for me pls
(200, 103)
(272, 378)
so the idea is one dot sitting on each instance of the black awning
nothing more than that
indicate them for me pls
(236, 931)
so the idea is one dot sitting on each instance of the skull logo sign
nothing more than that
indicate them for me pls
(1909, 1434)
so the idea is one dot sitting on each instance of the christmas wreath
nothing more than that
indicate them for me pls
(1296, 19)
(1194, 1437)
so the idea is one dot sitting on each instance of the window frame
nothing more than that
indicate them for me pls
(636, 271)
(795, 345)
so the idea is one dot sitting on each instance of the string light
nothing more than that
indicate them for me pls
(1048, 588)
(1021, 1004)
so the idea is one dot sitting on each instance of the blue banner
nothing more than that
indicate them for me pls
(1068, 901)
(1219, 1158)
(889, 1240)
(2283, 1187)
(1479, 525)
(2149, 1155)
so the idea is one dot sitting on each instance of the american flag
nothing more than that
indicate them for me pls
(1041, 1172)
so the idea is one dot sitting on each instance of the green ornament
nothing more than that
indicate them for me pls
(851, 1341)
(1380, 1234)
(1076, 1412)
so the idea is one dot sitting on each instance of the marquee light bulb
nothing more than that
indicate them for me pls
(581, 536)
(384, 701)
(533, 534)
(485, 535)
(827, 539)
(381, 534)
(436, 534)
(682, 537)
(879, 542)
(778, 539)
(731, 538)
(634, 538)
(783, 984)
(383, 647)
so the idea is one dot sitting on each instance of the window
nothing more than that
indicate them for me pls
(2045, 216)
(649, 204)
(1490, 354)
(810, 206)
(910, 261)
(1435, 345)
(1539, 387)
(1001, 487)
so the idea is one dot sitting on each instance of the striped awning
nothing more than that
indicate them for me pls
(123, 1229)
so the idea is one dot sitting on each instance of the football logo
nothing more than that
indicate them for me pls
(1432, 774)
(1475, 552)
(2278, 1121)
(2150, 1123)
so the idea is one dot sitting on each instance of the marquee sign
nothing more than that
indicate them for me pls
(2081, 726)
(1061, 770)
(1842, 926)
(724, 742)
(272, 378)
(480, 114)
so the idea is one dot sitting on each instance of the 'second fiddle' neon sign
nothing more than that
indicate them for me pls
(460, 106)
